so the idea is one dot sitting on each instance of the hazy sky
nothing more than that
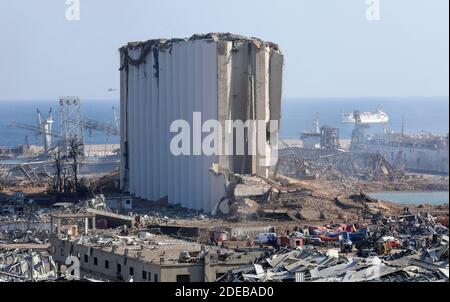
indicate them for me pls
(331, 49)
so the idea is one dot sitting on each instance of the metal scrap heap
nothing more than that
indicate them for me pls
(409, 248)
(24, 266)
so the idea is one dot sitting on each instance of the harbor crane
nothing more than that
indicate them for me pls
(42, 128)
(92, 125)
(109, 129)
(69, 124)
(358, 133)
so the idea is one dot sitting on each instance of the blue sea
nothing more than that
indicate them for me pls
(419, 114)
(414, 198)
(25, 112)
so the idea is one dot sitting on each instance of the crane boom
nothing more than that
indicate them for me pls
(33, 129)
(99, 126)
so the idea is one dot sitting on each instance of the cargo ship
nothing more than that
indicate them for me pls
(422, 153)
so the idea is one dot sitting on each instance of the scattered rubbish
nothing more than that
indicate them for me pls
(402, 248)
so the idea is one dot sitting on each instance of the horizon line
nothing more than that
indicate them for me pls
(285, 98)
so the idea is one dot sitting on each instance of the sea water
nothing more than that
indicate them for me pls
(414, 198)
(419, 115)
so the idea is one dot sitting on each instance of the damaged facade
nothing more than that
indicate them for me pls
(222, 76)
(146, 257)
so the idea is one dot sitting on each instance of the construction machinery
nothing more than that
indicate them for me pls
(366, 246)
(382, 247)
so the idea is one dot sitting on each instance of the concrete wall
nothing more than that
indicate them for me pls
(169, 273)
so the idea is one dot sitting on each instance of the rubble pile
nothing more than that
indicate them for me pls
(310, 266)
(171, 216)
(376, 247)
(23, 218)
(119, 237)
(17, 236)
(336, 165)
(408, 225)
(409, 248)
(24, 228)
(125, 237)
(23, 266)
(257, 197)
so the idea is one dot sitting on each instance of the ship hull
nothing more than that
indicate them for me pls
(415, 159)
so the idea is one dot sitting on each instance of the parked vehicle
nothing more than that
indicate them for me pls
(266, 238)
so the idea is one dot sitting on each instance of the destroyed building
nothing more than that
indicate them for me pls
(146, 257)
(18, 265)
(221, 76)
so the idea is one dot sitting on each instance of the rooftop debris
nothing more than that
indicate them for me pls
(24, 266)
(167, 44)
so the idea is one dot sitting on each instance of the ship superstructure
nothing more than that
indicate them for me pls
(379, 117)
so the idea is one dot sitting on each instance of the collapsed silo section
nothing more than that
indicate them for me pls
(250, 88)
(166, 84)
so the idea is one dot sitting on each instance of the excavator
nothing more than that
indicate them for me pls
(373, 243)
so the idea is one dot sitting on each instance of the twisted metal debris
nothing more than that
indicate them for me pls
(414, 249)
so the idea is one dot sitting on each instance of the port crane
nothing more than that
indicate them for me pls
(358, 132)
(109, 129)
(43, 127)
(92, 125)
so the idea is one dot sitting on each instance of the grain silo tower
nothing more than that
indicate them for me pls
(220, 76)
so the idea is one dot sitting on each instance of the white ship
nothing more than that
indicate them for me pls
(378, 117)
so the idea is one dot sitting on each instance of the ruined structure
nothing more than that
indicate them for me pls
(218, 77)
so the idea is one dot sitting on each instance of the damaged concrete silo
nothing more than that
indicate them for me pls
(218, 76)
